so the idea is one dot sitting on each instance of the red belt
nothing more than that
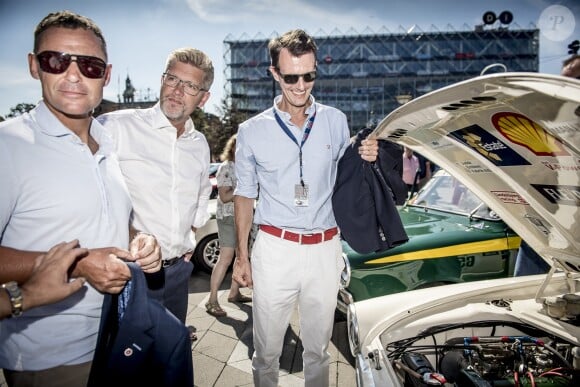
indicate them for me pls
(303, 239)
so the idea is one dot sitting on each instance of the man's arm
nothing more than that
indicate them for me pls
(49, 280)
(243, 215)
(102, 267)
(16, 265)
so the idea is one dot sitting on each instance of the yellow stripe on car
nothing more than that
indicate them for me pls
(450, 251)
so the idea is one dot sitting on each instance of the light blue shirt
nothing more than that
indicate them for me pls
(267, 161)
(53, 189)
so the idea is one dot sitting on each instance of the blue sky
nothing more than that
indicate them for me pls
(140, 33)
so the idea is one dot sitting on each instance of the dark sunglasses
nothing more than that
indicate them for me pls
(55, 62)
(291, 79)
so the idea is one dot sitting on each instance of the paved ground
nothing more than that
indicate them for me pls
(222, 353)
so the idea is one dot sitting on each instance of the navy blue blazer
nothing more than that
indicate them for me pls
(145, 346)
(365, 197)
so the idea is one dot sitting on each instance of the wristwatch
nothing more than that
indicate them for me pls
(15, 296)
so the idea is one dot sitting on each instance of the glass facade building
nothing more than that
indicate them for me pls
(369, 75)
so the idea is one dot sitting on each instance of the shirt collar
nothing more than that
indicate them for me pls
(309, 110)
(51, 126)
(160, 121)
(48, 123)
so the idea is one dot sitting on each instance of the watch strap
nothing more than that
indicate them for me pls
(15, 297)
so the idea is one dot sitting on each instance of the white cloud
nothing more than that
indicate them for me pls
(267, 12)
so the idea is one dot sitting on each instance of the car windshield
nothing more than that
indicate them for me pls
(445, 193)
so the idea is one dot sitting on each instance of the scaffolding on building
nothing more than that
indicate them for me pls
(369, 74)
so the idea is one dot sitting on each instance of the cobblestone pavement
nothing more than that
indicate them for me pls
(222, 353)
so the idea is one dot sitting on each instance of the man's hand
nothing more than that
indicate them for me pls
(146, 252)
(104, 270)
(243, 272)
(369, 149)
(49, 280)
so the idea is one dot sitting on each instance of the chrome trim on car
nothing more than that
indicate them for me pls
(353, 330)
(344, 300)
(364, 374)
(346, 273)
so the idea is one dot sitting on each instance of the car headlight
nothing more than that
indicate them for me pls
(352, 330)
(345, 275)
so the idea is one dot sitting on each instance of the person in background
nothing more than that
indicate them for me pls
(165, 163)
(571, 67)
(226, 181)
(290, 154)
(48, 282)
(60, 181)
(410, 168)
(424, 170)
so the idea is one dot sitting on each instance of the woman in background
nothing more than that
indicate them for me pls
(226, 183)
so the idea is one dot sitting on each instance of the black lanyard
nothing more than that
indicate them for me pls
(305, 135)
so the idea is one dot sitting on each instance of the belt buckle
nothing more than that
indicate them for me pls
(169, 262)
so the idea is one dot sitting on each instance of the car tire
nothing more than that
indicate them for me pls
(206, 253)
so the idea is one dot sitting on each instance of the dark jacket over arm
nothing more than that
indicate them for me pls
(364, 198)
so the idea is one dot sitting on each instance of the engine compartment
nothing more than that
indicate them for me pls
(485, 353)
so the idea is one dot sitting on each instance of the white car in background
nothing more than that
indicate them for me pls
(514, 140)
(207, 248)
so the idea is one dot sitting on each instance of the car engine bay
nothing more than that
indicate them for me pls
(510, 354)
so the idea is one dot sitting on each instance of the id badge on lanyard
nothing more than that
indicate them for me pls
(301, 191)
(301, 195)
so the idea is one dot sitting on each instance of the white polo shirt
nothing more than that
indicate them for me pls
(53, 189)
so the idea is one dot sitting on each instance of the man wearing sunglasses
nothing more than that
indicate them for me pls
(165, 162)
(60, 181)
(290, 154)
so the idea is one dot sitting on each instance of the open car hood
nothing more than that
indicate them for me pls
(514, 140)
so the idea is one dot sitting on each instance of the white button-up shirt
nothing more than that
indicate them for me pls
(167, 177)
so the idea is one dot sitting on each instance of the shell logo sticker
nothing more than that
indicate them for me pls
(520, 130)
(489, 146)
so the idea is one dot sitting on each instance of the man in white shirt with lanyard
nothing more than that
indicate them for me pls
(290, 152)
(165, 163)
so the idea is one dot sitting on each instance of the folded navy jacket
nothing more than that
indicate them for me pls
(365, 197)
(140, 342)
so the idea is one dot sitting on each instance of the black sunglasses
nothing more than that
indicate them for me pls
(55, 62)
(291, 79)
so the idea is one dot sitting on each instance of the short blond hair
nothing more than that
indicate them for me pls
(196, 58)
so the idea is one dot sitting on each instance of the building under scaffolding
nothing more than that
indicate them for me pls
(369, 75)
